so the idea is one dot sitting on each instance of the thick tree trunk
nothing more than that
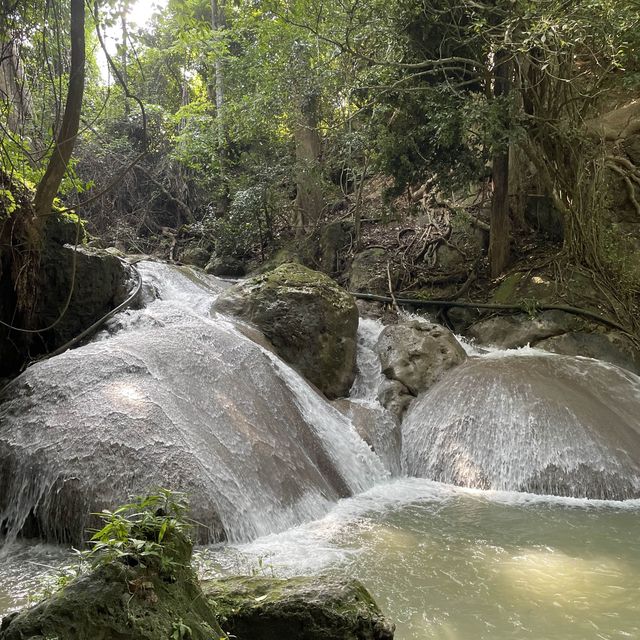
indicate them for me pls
(309, 193)
(50, 182)
(500, 233)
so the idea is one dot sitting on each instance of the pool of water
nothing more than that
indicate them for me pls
(453, 564)
(444, 563)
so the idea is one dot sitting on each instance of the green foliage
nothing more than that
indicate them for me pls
(137, 534)
(180, 631)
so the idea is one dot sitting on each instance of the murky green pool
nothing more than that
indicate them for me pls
(444, 563)
(452, 564)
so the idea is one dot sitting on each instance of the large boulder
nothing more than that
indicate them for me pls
(368, 272)
(99, 280)
(259, 608)
(173, 400)
(311, 321)
(509, 332)
(544, 424)
(195, 255)
(117, 601)
(77, 286)
(416, 353)
(611, 347)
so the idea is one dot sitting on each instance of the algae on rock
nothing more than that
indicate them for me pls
(116, 601)
(310, 320)
(260, 608)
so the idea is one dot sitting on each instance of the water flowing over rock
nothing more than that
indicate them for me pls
(311, 321)
(178, 399)
(375, 424)
(545, 424)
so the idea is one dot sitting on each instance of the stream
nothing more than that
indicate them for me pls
(486, 561)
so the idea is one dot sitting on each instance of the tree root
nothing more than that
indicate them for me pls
(521, 308)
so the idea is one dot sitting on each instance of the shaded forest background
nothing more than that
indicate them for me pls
(427, 148)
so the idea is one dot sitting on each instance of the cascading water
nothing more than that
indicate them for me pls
(529, 422)
(374, 423)
(179, 399)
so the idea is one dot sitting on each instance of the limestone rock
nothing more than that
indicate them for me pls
(377, 428)
(225, 266)
(394, 397)
(416, 353)
(311, 321)
(117, 601)
(612, 347)
(196, 256)
(368, 272)
(509, 332)
(258, 608)
(99, 284)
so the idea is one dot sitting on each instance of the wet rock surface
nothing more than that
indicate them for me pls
(258, 608)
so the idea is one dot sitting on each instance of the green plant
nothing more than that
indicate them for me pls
(180, 631)
(142, 533)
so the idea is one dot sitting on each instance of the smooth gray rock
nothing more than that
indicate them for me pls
(509, 332)
(417, 353)
(611, 347)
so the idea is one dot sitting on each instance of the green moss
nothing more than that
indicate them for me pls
(259, 608)
(120, 602)
(310, 320)
(292, 277)
(506, 293)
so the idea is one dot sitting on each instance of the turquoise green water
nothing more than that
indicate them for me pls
(447, 564)
(443, 563)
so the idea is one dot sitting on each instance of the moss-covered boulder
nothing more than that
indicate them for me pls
(311, 321)
(259, 608)
(121, 602)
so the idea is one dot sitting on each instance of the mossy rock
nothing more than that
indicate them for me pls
(261, 608)
(120, 602)
(520, 287)
(196, 256)
(310, 320)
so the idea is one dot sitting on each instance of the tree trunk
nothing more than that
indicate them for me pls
(309, 193)
(125, 38)
(14, 90)
(50, 182)
(500, 233)
(219, 24)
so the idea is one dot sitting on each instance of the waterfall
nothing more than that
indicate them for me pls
(528, 421)
(171, 396)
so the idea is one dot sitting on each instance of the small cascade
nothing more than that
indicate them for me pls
(529, 421)
(365, 386)
(174, 398)
(374, 423)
